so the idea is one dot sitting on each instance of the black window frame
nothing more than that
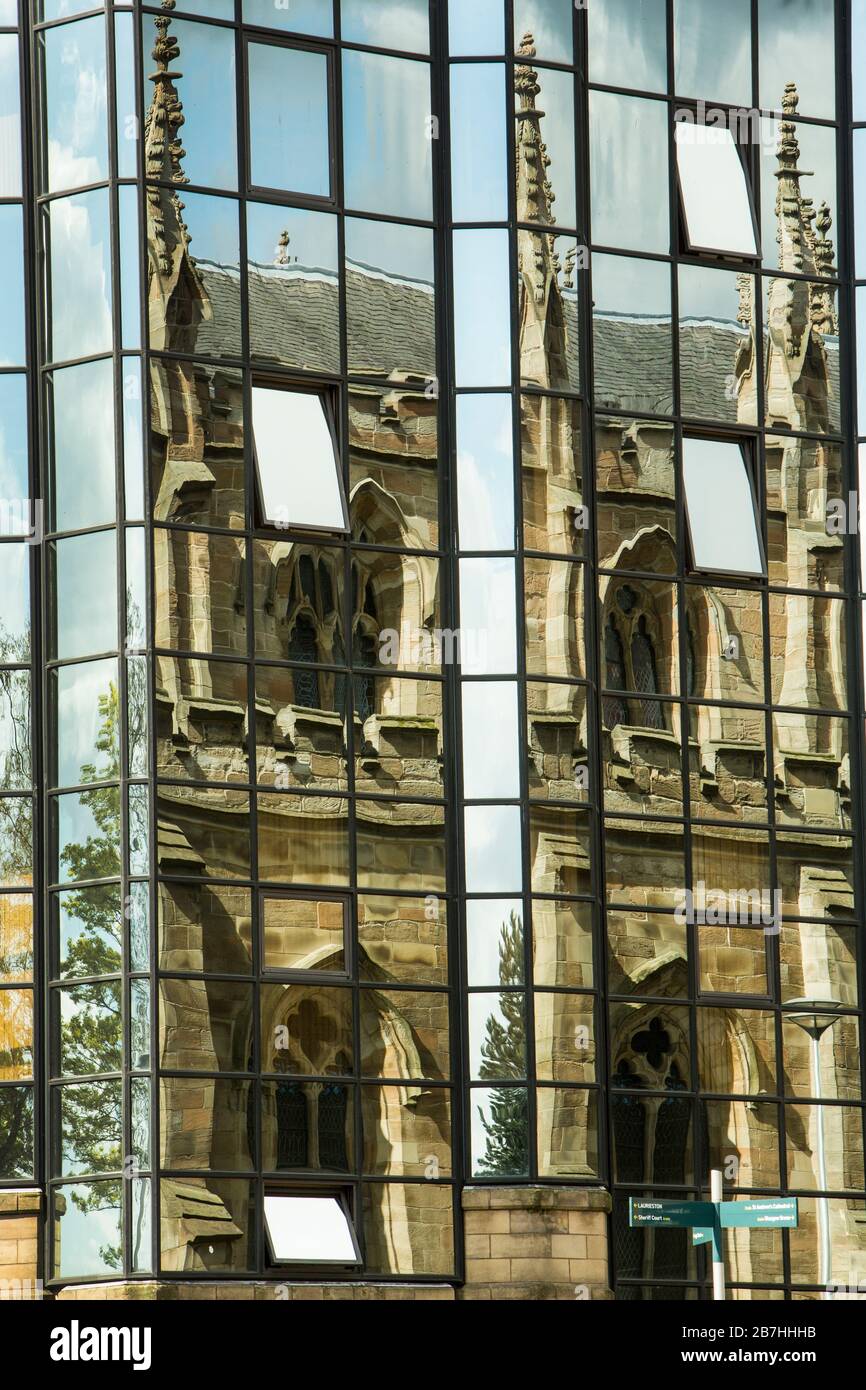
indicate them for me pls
(274, 973)
(346, 1196)
(748, 445)
(688, 112)
(271, 39)
(328, 393)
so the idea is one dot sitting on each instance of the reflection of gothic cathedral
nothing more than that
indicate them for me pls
(322, 696)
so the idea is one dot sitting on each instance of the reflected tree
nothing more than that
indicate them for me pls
(504, 1059)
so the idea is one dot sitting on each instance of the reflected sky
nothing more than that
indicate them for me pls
(136, 588)
(389, 24)
(482, 308)
(713, 50)
(207, 61)
(817, 157)
(550, 23)
(86, 593)
(80, 274)
(488, 625)
(627, 285)
(133, 444)
(15, 588)
(485, 918)
(387, 149)
(797, 45)
(484, 1010)
(130, 269)
(15, 765)
(76, 103)
(289, 129)
(312, 237)
(476, 27)
(479, 184)
(485, 472)
(82, 453)
(858, 57)
(82, 693)
(14, 485)
(629, 154)
(628, 44)
(398, 251)
(707, 293)
(491, 740)
(556, 100)
(85, 1236)
(125, 115)
(12, 349)
(493, 849)
(76, 824)
(301, 16)
(860, 202)
(10, 118)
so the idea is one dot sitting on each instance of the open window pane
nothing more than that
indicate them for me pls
(309, 1230)
(717, 205)
(720, 508)
(289, 119)
(296, 460)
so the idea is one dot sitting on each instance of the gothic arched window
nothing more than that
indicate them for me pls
(645, 676)
(615, 709)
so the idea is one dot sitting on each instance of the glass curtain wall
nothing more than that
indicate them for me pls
(724, 622)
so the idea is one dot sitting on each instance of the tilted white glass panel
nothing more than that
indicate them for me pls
(297, 467)
(716, 201)
(309, 1230)
(720, 507)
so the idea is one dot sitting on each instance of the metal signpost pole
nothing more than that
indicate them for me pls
(717, 1244)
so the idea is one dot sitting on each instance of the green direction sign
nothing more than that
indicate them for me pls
(646, 1213)
(772, 1211)
(702, 1235)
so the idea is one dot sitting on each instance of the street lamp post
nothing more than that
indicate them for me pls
(815, 1016)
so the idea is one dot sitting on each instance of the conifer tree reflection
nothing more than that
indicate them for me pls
(504, 1059)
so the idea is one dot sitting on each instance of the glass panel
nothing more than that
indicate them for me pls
(204, 707)
(89, 928)
(137, 691)
(500, 1132)
(650, 1049)
(76, 128)
(403, 939)
(567, 1145)
(133, 443)
(202, 313)
(423, 1214)
(564, 1037)
(811, 757)
(825, 1147)
(488, 617)
(16, 771)
(15, 587)
(494, 942)
(485, 472)
(304, 934)
(289, 119)
(16, 1034)
(306, 1030)
(89, 1121)
(550, 22)
(16, 937)
(626, 857)
(553, 595)
(196, 477)
(482, 302)
(479, 188)
(199, 592)
(819, 960)
(554, 515)
(390, 300)
(135, 624)
(126, 121)
(714, 190)
(303, 839)
(207, 62)
(632, 335)
(629, 162)
(816, 879)
(548, 310)
(205, 1122)
(205, 927)
(88, 1237)
(813, 635)
(140, 1257)
(731, 877)
(10, 118)
(716, 316)
(205, 1025)
(12, 348)
(628, 37)
(793, 469)
(827, 1246)
(406, 1141)
(794, 238)
(399, 736)
(728, 761)
(204, 830)
(394, 466)
(562, 943)
(301, 731)
(820, 1053)
(405, 1034)
(225, 1206)
(720, 504)
(476, 27)
(17, 516)
(300, 486)
(16, 1126)
(858, 50)
(404, 25)
(493, 849)
(299, 16)
(559, 850)
(544, 110)
(648, 953)
(797, 45)
(491, 740)
(714, 50)
(293, 280)
(309, 1230)
(89, 1032)
(497, 1036)
(79, 275)
(635, 496)
(85, 579)
(16, 841)
(137, 913)
(130, 269)
(387, 135)
(88, 725)
(725, 1065)
(82, 454)
(401, 845)
(726, 660)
